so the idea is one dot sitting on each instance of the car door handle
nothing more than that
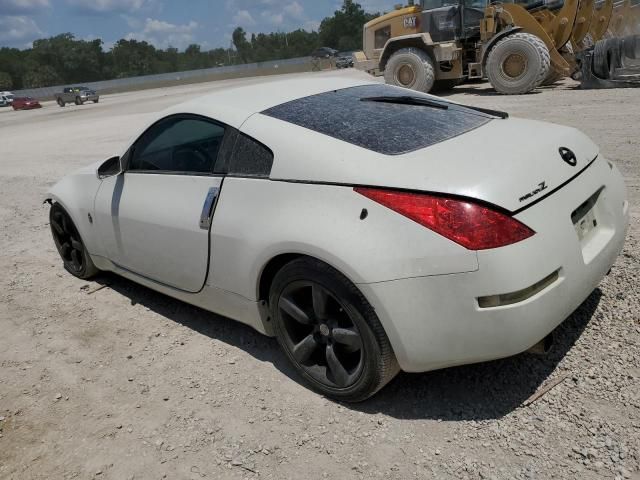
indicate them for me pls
(207, 210)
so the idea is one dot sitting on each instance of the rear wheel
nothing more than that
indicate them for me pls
(79, 101)
(518, 63)
(329, 332)
(74, 255)
(61, 102)
(96, 100)
(410, 68)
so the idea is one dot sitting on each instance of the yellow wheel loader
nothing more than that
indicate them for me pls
(438, 44)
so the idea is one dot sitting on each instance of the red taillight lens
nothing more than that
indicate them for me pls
(473, 226)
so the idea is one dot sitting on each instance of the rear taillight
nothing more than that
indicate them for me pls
(472, 225)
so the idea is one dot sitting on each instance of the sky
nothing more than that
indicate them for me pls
(163, 23)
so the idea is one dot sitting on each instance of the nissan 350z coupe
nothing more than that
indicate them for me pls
(369, 228)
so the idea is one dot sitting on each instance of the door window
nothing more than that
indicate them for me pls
(382, 36)
(178, 145)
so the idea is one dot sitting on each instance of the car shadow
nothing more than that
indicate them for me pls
(480, 391)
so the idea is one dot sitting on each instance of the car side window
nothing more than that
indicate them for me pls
(250, 158)
(180, 145)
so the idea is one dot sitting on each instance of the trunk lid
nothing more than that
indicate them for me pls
(510, 163)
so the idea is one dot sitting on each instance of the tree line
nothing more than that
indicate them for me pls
(64, 59)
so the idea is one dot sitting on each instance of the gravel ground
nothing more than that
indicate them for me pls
(124, 383)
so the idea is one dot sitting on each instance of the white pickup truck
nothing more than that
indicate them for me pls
(6, 99)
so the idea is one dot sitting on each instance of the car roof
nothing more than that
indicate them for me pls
(234, 105)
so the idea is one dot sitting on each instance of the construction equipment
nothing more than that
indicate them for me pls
(611, 63)
(516, 46)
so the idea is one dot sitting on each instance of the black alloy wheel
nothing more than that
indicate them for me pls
(329, 332)
(320, 334)
(69, 244)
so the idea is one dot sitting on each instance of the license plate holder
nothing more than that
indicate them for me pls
(585, 217)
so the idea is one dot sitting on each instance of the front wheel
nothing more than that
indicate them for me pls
(61, 102)
(96, 100)
(329, 332)
(518, 64)
(410, 68)
(79, 101)
(70, 246)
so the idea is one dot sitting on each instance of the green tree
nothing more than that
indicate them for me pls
(131, 58)
(343, 31)
(5, 81)
(44, 76)
(243, 47)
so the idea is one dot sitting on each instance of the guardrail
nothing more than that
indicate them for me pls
(292, 65)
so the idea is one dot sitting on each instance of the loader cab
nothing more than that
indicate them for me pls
(452, 20)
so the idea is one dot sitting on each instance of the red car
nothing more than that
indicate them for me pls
(25, 103)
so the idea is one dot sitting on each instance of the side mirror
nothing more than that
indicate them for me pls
(110, 168)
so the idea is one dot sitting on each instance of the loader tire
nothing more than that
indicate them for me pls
(518, 63)
(410, 68)
(607, 56)
(631, 46)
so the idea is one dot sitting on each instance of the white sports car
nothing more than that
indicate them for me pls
(370, 229)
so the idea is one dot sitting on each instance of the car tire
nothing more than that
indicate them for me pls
(410, 68)
(71, 248)
(329, 332)
(61, 102)
(96, 101)
(78, 101)
(518, 64)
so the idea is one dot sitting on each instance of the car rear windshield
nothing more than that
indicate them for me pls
(384, 127)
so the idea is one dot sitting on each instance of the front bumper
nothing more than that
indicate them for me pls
(436, 322)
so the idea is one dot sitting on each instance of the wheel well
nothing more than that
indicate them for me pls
(393, 47)
(269, 272)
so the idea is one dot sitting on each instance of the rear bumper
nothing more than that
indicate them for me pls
(436, 322)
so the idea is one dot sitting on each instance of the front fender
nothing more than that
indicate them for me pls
(495, 39)
(418, 40)
(76, 194)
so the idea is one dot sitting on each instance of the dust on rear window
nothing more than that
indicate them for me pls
(387, 128)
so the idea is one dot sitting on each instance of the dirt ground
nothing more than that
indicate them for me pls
(124, 383)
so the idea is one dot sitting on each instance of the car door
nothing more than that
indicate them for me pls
(154, 219)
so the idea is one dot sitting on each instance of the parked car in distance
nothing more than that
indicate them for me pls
(25, 103)
(6, 99)
(77, 95)
(406, 241)
(324, 52)
(344, 60)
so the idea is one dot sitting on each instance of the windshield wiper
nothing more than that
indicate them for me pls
(488, 111)
(407, 100)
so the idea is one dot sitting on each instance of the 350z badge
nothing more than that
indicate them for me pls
(541, 187)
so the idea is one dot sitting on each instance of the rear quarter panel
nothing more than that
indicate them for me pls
(257, 220)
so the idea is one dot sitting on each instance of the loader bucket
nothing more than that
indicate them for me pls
(620, 18)
(583, 21)
(601, 19)
(611, 63)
